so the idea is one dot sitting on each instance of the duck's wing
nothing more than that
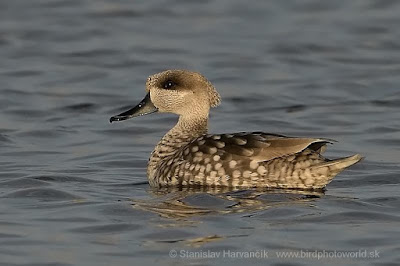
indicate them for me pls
(256, 146)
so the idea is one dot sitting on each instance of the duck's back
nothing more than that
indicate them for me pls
(250, 160)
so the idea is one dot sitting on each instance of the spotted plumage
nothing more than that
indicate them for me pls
(188, 156)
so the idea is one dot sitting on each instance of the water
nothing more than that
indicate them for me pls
(73, 187)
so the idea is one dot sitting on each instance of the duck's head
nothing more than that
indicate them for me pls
(181, 92)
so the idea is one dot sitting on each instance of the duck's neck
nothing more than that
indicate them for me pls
(182, 133)
(190, 127)
(187, 129)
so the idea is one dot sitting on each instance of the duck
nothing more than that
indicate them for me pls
(187, 155)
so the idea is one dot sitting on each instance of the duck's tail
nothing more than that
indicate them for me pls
(333, 167)
(338, 165)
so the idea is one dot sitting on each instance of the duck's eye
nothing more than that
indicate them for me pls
(169, 84)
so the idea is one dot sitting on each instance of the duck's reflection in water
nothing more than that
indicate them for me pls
(183, 203)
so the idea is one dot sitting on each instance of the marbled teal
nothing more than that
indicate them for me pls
(188, 156)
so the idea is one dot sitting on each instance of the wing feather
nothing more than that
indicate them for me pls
(256, 145)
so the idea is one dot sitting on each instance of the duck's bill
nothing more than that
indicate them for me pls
(145, 107)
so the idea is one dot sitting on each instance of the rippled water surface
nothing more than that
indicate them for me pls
(73, 187)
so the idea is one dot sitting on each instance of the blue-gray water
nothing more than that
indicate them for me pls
(73, 188)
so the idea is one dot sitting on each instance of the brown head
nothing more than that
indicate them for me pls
(180, 92)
